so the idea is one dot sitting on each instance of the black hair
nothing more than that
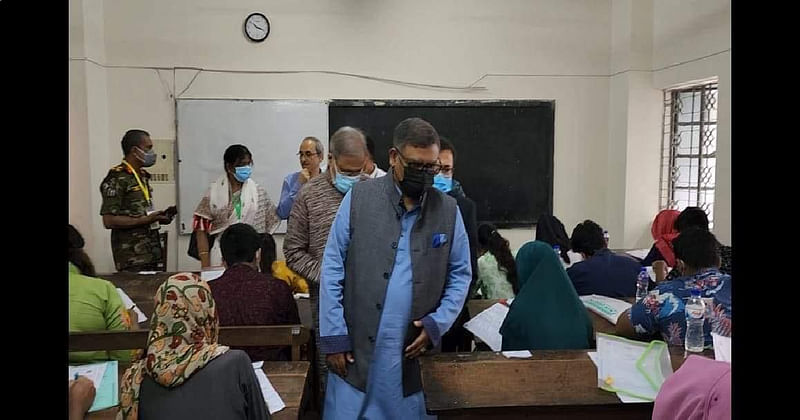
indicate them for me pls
(549, 229)
(132, 138)
(446, 144)
(268, 253)
(75, 253)
(691, 217)
(235, 152)
(490, 240)
(239, 243)
(697, 248)
(416, 132)
(587, 237)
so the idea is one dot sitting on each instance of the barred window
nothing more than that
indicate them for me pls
(689, 148)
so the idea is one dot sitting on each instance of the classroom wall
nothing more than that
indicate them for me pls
(692, 42)
(546, 49)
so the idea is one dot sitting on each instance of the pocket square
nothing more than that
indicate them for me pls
(439, 239)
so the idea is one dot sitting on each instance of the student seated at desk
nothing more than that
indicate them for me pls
(184, 373)
(549, 229)
(663, 310)
(700, 389)
(547, 313)
(497, 271)
(689, 218)
(94, 304)
(279, 269)
(663, 231)
(245, 296)
(601, 272)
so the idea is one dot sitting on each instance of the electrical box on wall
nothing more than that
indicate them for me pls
(163, 172)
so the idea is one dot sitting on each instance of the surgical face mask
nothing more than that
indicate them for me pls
(442, 183)
(242, 173)
(344, 183)
(148, 158)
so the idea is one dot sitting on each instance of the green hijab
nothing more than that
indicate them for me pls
(547, 313)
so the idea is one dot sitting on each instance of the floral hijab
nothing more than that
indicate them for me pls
(183, 338)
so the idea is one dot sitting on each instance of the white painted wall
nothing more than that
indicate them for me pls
(545, 49)
(692, 42)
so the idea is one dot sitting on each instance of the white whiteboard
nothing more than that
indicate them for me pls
(271, 129)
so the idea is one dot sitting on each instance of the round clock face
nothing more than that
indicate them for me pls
(256, 27)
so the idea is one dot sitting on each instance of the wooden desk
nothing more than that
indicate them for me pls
(550, 385)
(290, 380)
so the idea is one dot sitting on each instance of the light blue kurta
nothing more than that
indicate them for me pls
(384, 397)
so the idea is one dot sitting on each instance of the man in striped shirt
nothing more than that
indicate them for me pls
(313, 212)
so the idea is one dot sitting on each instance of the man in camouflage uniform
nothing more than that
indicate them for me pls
(128, 210)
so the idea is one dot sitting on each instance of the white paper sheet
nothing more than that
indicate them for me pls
(518, 354)
(606, 307)
(722, 347)
(211, 273)
(128, 303)
(617, 363)
(274, 401)
(486, 325)
(638, 253)
(92, 371)
(622, 397)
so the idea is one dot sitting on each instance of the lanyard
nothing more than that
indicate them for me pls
(145, 191)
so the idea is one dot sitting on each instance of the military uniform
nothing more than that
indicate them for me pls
(137, 248)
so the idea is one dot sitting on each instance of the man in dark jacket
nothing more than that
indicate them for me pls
(458, 338)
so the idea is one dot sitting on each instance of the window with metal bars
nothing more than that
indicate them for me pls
(689, 148)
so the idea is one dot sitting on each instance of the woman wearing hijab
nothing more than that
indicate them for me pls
(94, 304)
(547, 313)
(233, 198)
(184, 373)
(663, 231)
(549, 229)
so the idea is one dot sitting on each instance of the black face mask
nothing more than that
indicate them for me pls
(415, 182)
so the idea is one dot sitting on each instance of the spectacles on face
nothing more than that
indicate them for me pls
(428, 168)
(307, 155)
(347, 173)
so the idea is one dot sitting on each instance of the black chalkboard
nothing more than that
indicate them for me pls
(504, 149)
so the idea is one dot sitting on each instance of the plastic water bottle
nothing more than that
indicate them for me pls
(695, 318)
(605, 237)
(642, 281)
(557, 250)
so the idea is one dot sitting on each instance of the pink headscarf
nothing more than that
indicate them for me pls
(699, 390)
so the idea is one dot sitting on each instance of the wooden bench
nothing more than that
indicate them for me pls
(239, 336)
(141, 288)
(550, 385)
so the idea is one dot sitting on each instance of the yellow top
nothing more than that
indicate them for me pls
(281, 271)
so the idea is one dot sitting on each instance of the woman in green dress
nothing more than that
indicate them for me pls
(94, 304)
(497, 271)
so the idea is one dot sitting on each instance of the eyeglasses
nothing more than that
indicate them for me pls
(428, 168)
(347, 173)
(447, 170)
(307, 154)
